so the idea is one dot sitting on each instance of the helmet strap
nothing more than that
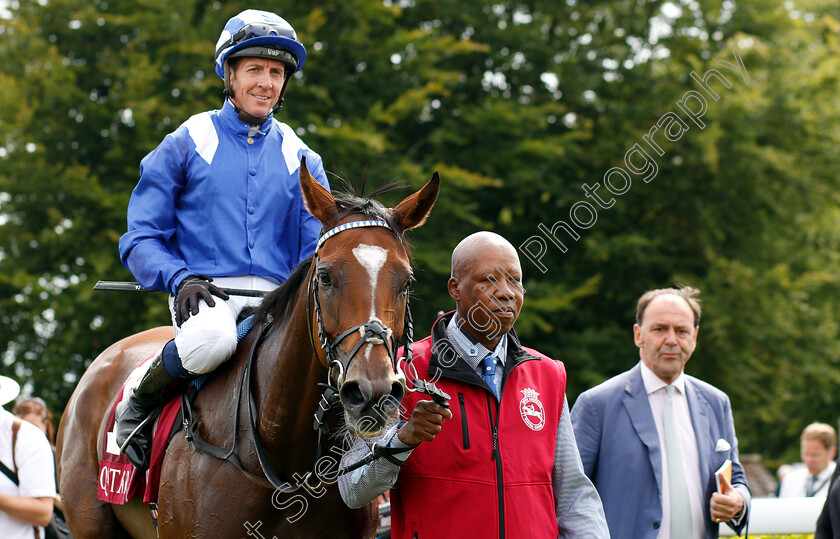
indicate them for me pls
(248, 118)
(279, 104)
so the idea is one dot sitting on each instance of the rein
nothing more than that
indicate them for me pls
(373, 331)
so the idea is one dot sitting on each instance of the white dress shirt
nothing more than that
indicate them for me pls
(795, 484)
(655, 388)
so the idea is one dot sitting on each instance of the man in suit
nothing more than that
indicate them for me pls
(652, 438)
(818, 449)
(828, 524)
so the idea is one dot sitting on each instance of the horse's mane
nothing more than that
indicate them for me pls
(350, 203)
(280, 303)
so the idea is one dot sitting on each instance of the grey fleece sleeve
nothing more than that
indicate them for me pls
(365, 484)
(580, 513)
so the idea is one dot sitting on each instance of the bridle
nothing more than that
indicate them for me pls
(373, 331)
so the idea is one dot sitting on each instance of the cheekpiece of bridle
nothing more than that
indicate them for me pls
(373, 331)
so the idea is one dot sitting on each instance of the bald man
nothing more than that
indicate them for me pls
(501, 460)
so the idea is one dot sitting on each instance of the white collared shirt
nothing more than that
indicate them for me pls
(795, 483)
(655, 388)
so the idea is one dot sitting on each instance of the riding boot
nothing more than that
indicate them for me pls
(152, 392)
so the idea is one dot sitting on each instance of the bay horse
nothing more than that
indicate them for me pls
(337, 318)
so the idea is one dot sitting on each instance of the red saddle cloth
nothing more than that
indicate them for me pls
(119, 480)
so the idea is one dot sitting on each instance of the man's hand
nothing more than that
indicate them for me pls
(727, 504)
(425, 422)
(192, 290)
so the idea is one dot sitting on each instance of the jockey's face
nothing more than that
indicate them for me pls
(256, 84)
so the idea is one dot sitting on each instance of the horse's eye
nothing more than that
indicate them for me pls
(407, 286)
(324, 278)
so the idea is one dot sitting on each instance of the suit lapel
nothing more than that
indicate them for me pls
(638, 408)
(699, 409)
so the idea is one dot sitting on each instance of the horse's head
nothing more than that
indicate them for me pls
(360, 282)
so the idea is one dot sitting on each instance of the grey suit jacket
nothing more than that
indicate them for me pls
(621, 454)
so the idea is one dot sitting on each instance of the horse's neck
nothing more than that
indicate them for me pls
(287, 374)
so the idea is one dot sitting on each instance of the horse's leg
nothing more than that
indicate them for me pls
(136, 517)
(82, 428)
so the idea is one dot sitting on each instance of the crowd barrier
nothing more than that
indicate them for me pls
(769, 516)
(778, 516)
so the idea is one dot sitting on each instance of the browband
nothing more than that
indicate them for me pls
(349, 226)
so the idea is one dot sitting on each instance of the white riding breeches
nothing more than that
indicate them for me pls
(208, 339)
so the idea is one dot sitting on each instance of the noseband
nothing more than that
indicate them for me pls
(373, 331)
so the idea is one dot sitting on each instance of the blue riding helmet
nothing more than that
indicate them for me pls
(255, 33)
(260, 29)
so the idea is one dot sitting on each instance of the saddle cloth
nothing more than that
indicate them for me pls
(119, 481)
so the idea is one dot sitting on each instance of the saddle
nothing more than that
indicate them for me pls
(119, 481)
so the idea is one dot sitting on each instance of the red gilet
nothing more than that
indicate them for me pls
(460, 485)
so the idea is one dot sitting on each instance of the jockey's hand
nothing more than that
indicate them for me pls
(190, 292)
(425, 422)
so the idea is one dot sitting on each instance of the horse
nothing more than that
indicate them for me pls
(335, 322)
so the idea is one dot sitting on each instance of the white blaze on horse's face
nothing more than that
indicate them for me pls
(372, 258)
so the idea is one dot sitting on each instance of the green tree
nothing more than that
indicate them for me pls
(518, 105)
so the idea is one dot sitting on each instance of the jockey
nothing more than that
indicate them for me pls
(218, 205)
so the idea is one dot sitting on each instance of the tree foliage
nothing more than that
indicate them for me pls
(518, 105)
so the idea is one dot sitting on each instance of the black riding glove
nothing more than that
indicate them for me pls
(192, 290)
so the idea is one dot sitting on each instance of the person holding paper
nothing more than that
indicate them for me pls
(652, 438)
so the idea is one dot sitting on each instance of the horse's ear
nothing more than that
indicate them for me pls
(413, 211)
(319, 201)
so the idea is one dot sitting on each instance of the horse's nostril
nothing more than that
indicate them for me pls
(397, 392)
(390, 402)
(352, 395)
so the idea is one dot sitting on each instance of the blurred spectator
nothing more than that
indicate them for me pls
(818, 449)
(782, 472)
(27, 482)
(34, 410)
